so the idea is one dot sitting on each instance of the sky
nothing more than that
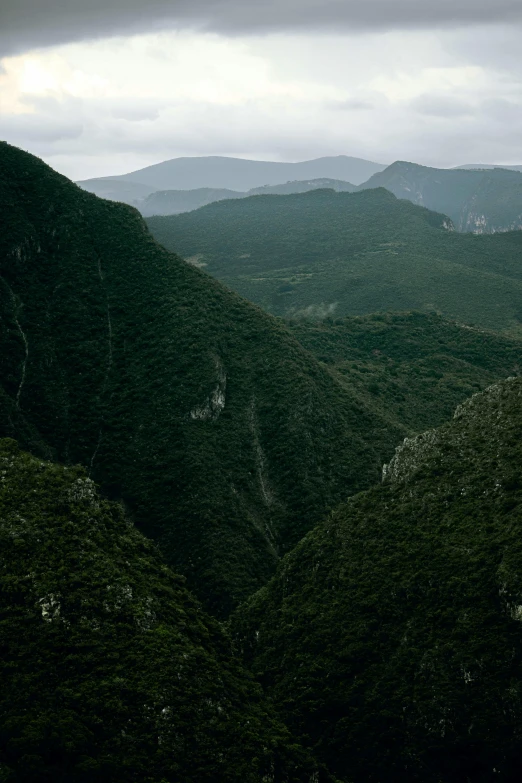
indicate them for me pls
(110, 86)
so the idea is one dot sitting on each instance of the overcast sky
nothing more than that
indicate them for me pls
(107, 86)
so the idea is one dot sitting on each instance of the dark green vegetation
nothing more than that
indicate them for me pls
(482, 201)
(225, 438)
(322, 253)
(415, 368)
(110, 670)
(391, 637)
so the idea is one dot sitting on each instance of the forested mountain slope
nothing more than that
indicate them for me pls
(322, 253)
(391, 636)
(480, 201)
(414, 367)
(110, 670)
(224, 437)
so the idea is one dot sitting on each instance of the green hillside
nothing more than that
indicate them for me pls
(225, 439)
(325, 253)
(390, 639)
(415, 368)
(481, 201)
(110, 670)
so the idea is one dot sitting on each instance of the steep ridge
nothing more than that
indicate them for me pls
(324, 253)
(224, 437)
(391, 637)
(480, 201)
(413, 367)
(110, 670)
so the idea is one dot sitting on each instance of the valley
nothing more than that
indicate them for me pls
(260, 487)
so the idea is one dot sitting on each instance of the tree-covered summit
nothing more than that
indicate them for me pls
(322, 253)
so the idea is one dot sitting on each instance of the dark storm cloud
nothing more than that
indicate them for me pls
(26, 24)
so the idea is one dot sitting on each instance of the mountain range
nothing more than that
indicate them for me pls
(246, 549)
(232, 173)
(478, 199)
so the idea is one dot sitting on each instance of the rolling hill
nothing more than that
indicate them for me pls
(225, 439)
(323, 253)
(480, 201)
(390, 638)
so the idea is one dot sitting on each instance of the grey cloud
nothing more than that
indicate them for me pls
(26, 24)
(352, 104)
(441, 106)
(136, 110)
(36, 129)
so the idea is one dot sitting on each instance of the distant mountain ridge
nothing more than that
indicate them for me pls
(488, 166)
(481, 201)
(235, 173)
(174, 202)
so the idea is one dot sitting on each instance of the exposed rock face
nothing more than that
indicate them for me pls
(480, 202)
